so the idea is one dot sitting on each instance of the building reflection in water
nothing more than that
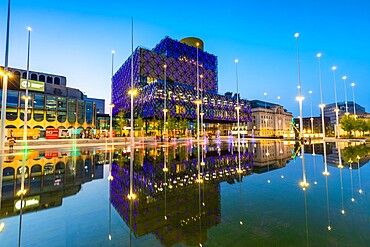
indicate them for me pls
(170, 203)
(49, 177)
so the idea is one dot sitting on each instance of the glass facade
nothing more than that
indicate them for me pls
(49, 110)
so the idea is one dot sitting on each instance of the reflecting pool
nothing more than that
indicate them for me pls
(81, 196)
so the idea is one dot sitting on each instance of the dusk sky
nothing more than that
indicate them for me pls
(75, 39)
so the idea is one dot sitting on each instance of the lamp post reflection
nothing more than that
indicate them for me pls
(340, 166)
(359, 175)
(351, 179)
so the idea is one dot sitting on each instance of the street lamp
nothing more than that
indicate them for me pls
(344, 78)
(300, 99)
(111, 121)
(353, 99)
(310, 93)
(296, 35)
(334, 68)
(26, 98)
(198, 102)
(238, 111)
(279, 120)
(165, 101)
(5, 83)
(265, 94)
(201, 108)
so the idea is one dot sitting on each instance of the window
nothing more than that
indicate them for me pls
(80, 111)
(38, 115)
(50, 116)
(42, 78)
(57, 80)
(33, 77)
(62, 104)
(11, 114)
(49, 79)
(12, 100)
(23, 98)
(71, 110)
(62, 116)
(51, 103)
(38, 101)
(89, 111)
(28, 115)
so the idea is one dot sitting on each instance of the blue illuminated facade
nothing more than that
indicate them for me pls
(181, 80)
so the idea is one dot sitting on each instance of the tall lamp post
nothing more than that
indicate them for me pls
(26, 98)
(132, 93)
(265, 120)
(238, 112)
(353, 99)
(311, 118)
(334, 68)
(111, 121)
(279, 120)
(5, 83)
(201, 107)
(321, 100)
(300, 98)
(165, 101)
(111, 105)
(344, 78)
(198, 101)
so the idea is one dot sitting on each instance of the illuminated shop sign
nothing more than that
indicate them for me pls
(28, 202)
(38, 86)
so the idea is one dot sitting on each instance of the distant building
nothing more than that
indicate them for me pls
(99, 103)
(329, 110)
(269, 119)
(317, 126)
(52, 104)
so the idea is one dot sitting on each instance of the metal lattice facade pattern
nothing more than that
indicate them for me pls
(180, 103)
(181, 78)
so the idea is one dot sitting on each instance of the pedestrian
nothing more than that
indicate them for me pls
(11, 142)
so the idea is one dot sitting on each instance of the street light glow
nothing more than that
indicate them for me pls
(318, 55)
(296, 35)
(353, 84)
(344, 77)
(310, 92)
(334, 67)
(236, 60)
(29, 28)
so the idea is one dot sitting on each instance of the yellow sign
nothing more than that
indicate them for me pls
(34, 133)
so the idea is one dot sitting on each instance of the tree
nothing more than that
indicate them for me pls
(183, 124)
(140, 124)
(171, 123)
(121, 120)
(348, 123)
